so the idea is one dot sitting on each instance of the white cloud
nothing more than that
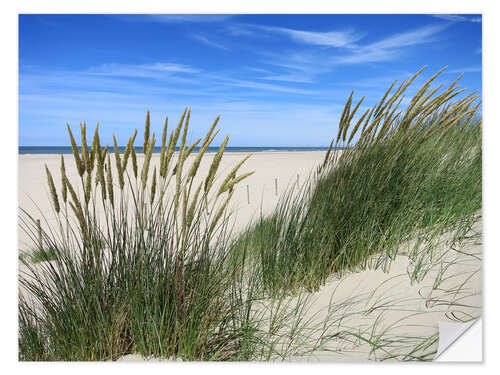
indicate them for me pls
(471, 69)
(210, 43)
(155, 70)
(174, 18)
(292, 77)
(421, 35)
(362, 56)
(312, 64)
(258, 70)
(268, 87)
(338, 38)
(391, 47)
(169, 67)
(456, 18)
(328, 38)
(236, 29)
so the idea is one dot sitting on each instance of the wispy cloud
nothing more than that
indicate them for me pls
(236, 29)
(471, 69)
(390, 47)
(268, 87)
(292, 77)
(336, 38)
(156, 70)
(175, 18)
(362, 56)
(457, 18)
(258, 70)
(352, 52)
(420, 35)
(377, 81)
(210, 43)
(328, 39)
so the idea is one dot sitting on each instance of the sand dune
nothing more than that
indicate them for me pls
(366, 315)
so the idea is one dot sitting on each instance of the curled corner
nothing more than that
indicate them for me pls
(459, 343)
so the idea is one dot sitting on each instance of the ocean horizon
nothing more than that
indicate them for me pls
(24, 150)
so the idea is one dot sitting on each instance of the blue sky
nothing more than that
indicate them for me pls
(276, 80)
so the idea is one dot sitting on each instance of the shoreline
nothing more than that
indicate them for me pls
(195, 152)
(274, 173)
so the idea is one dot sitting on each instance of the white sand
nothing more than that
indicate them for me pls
(384, 308)
(268, 166)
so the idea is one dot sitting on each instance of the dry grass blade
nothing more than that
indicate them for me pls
(128, 150)
(229, 186)
(208, 136)
(85, 148)
(134, 161)
(88, 188)
(201, 152)
(215, 165)
(146, 132)
(220, 212)
(77, 208)
(192, 207)
(109, 183)
(173, 143)
(327, 156)
(147, 161)
(191, 148)
(231, 175)
(94, 149)
(163, 143)
(356, 127)
(119, 167)
(349, 119)
(344, 115)
(153, 187)
(64, 188)
(52, 189)
(79, 164)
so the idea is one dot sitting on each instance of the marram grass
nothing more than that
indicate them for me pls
(149, 277)
(406, 170)
(161, 275)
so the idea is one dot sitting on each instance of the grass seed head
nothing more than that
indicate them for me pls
(109, 183)
(119, 167)
(76, 154)
(215, 165)
(85, 148)
(64, 188)
(146, 132)
(52, 188)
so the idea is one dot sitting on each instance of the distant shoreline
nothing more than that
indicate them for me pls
(56, 150)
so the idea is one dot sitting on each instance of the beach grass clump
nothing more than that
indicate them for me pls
(389, 175)
(138, 260)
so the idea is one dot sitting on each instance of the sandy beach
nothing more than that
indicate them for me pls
(374, 306)
(269, 167)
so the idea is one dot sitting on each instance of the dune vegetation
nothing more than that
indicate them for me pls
(410, 170)
(143, 261)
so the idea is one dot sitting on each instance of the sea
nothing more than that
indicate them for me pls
(68, 150)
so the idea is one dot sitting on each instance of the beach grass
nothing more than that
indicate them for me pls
(148, 276)
(416, 170)
(159, 273)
